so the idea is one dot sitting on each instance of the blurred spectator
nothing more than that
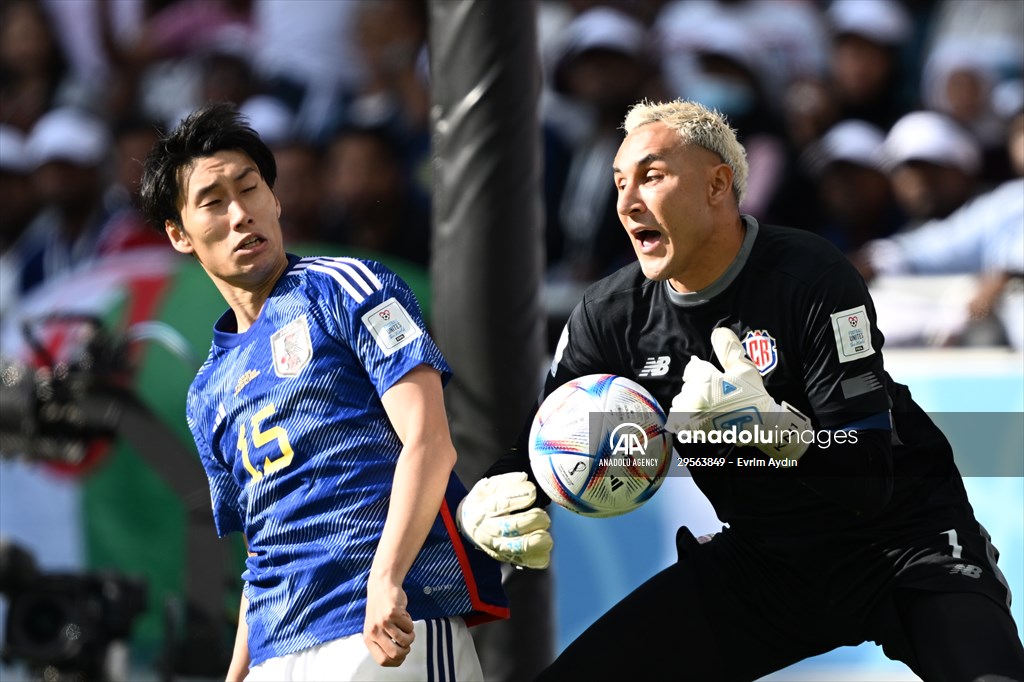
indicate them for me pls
(125, 226)
(984, 237)
(390, 38)
(809, 109)
(305, 53)
(299, 167)
(602, 66)
(185, 52)
(993, 26)
(933, 164)
(866, 69)
(958, 80)
(69, 150)
(92, 33)
(369, 204)
(787, 38)
(730, 78)
(852, 186)
(34, 72)
(19, 206)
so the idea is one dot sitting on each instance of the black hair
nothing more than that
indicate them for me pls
(210, 129)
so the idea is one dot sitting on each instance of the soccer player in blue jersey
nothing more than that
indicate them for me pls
(319, 419)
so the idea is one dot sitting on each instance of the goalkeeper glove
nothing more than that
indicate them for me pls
(711, 400)
(486, 517)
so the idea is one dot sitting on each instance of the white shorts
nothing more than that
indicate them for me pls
(442, 651)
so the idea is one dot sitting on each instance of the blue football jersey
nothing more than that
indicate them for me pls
(300, 455)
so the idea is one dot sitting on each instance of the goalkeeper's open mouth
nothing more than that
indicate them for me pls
(647, 240)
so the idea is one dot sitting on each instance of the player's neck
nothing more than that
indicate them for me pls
(245, 301)
(718, 253)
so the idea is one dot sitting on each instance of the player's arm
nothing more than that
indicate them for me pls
(503, 514)
(239, 666)
(415, 406)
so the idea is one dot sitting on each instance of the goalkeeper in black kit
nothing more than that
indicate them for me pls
(864, 534)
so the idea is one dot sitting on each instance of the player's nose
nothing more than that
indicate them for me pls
(238, 214)
(628, 201)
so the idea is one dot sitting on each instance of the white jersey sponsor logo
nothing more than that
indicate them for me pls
(655, 367)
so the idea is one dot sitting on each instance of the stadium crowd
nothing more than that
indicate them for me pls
(895, 128)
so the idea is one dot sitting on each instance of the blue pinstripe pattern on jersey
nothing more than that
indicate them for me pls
(314, 523)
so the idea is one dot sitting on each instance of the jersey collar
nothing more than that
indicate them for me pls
(225, 334)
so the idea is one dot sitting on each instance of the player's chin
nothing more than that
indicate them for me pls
(652, 267)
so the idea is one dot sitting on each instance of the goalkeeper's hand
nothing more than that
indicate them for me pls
(711, 400)
(489, 516)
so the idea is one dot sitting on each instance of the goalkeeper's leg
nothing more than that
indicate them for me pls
(713, 615)
(956, 636)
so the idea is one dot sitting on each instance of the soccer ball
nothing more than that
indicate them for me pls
(598, 445)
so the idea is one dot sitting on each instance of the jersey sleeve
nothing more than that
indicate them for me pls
(225, 493)
(378, 316)
(843, 372)
(578, 352)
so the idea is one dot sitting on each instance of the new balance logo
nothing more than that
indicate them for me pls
(655, 367)
(967, 570)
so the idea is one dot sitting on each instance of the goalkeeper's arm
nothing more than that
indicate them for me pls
(518, 459)
(503, 514)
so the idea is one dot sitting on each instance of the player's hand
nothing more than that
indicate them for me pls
(711, 400)
(489, 516)
(387, 630)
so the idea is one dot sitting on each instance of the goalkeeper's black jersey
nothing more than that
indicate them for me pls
(807, 321)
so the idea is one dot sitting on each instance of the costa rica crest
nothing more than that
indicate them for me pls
(291, 347)
(762, 350)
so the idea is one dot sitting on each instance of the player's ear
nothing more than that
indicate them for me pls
(719, 183)
(178, 238)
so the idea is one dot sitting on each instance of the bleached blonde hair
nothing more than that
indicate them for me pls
(696, 124)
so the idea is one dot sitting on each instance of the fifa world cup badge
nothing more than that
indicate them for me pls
(762, 350)
(852, 330)
(291, 347)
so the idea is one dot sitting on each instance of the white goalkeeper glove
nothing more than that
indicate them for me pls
(489, 517)
(736, 399)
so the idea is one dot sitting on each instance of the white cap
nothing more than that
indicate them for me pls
(988, 61)
(603, 28)
(731, 38)
(14, 156)
(933, 137)
(852, 140)
(880, 21)
(270, 117)
(70, 135)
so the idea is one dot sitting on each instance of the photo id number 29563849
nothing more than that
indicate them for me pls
(700, 461)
